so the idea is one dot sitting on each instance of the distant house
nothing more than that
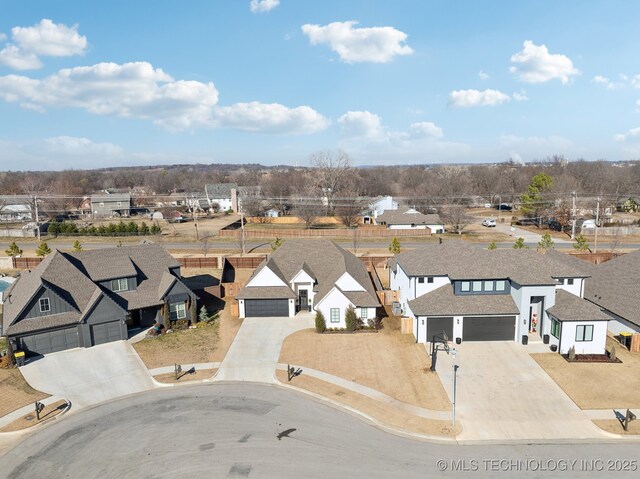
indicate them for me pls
(272, 213)
(307, 275)
(409, 218)
(15, 208)
(222, 194)
(92, 297)
(378, 207)
(109, 205)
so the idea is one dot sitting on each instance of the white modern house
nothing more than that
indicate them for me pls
(473, 294)
(409, 218)
(378, 207)
(222, 194)
(309, 275)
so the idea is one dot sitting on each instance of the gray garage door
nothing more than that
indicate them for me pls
(489, 328)
(51, 341)
(105, 332)
(266, 307)
(435, 326)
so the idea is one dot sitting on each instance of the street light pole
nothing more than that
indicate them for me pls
(453, 402)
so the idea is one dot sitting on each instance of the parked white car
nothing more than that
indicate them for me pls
(489, 223)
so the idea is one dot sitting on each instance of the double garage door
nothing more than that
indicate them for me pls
(105, 332)
(475, 328)
(266, 307)
(51, 341)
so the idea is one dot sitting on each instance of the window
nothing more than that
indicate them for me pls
(501, 285)
(430, 279)
(421, 280)
(488, 285)
(178, 310)
(555, 328)
(119, 285)
(560, 280)
(465, 286)
(569, 281)
(44, 305)
(364, 313)
(584, 332)
(477, 286)
(335, 315)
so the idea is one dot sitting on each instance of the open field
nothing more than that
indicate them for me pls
(15, 392)
(387, 361)
(597, 385)
(614, 426)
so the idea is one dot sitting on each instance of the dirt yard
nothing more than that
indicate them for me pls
(384, 413)
(199, 374)
(200, 345)
(597, 385)
(388, 361)
(15, 392)
(50, 411)
(614, 426)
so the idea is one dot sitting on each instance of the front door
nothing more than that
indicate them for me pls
(535, 314)
(303, 300)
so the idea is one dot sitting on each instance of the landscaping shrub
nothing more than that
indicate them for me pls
(181, 324)
(68, 228)
(374, 323)
(321, 324)
(351, 319)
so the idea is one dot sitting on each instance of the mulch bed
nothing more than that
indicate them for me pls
(591, 358)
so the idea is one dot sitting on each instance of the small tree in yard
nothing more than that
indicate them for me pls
(77, 246)
(394, 247)
(519, 244)
(351, 319)
(321, 324)
(204, 316)
(572, 353)
(43, 249)
(492, 246)
(612, 354)
(14, 250)
(581, 244)
(545, 243)
(276, 243)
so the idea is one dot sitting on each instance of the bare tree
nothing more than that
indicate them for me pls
(455, 214)
(349, 210)
(332, 172)
(308, 210)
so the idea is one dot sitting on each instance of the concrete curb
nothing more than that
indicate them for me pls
(41, 423)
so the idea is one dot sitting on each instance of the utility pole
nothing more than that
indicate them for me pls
(453, 402)
(573, 216)
(242, 228)
(35, 200)
(595, 242)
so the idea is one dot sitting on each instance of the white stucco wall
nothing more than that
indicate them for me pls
(302, 286)
(292, 308)
(620, 325)
(266, 277)
(224, 204)
(417, 289)
(406, 227)
(347, 283)
(596, 346)
(401, 284)
(435, 228)
(335, 299)
(241, 308)
(575, 288)
(522, 297)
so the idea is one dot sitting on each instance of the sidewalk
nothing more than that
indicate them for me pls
(185, 367)
(23, 411)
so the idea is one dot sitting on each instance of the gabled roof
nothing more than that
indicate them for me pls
(443, 302)
(408, 216)
(570, 307)
(615, 286)
(321, 259)
(460, 261)
(109, 197)
(219, 190)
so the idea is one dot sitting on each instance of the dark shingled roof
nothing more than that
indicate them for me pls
(266, 292)
(459, 261)
(615, 286)
(220, 190)
(442, 302)
(321, 259)
(570, 307)
(74, 277)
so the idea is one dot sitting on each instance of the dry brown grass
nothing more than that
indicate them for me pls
(15, 392)
(380, 411)
(191, 346)
(597, 385)
(614, 426)
(388, 361)
(29, 420)
(199, 374)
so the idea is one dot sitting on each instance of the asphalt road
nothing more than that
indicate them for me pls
(249, 430)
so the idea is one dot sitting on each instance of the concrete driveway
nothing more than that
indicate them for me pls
(89, 376)
(529, 236)
(502, 393)
(254, 353)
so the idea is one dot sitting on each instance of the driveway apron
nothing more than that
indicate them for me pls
(502, 393)
(89, 376)
(254, 353)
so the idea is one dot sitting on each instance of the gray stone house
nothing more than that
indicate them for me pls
(92, 297)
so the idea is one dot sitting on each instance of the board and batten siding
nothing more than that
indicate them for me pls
(104, 311)
(56, 304)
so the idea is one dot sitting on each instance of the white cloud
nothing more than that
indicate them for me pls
(534, 64)
(635, 81)
(138, 90)
(632, 134)
(75, 146)
(606, 82)
(482, 75)
(520, 95)
(3, 37)
(426, 129)
(42, 39)
(471, 98)
(261, 6)
(354, 45)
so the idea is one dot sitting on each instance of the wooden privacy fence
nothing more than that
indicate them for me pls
(406, 326)
(235, 309)
(199, 262)
(387, 297)
(25, 263)
(231, 289)
(361, 233)
(245, 261)
(635, 343)
(375, 261)
(596, 258)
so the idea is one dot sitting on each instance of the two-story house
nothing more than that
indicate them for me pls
(109, 204)
(474, 294)
(307, 275)
(92, 297)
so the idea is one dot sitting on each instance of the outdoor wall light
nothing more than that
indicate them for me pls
(457, 320)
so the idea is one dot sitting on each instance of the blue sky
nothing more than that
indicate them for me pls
(92, 84)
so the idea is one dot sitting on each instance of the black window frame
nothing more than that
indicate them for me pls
(430, 279)
(569, 281)
(585, 328)
(555, 325)
(420, 280)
